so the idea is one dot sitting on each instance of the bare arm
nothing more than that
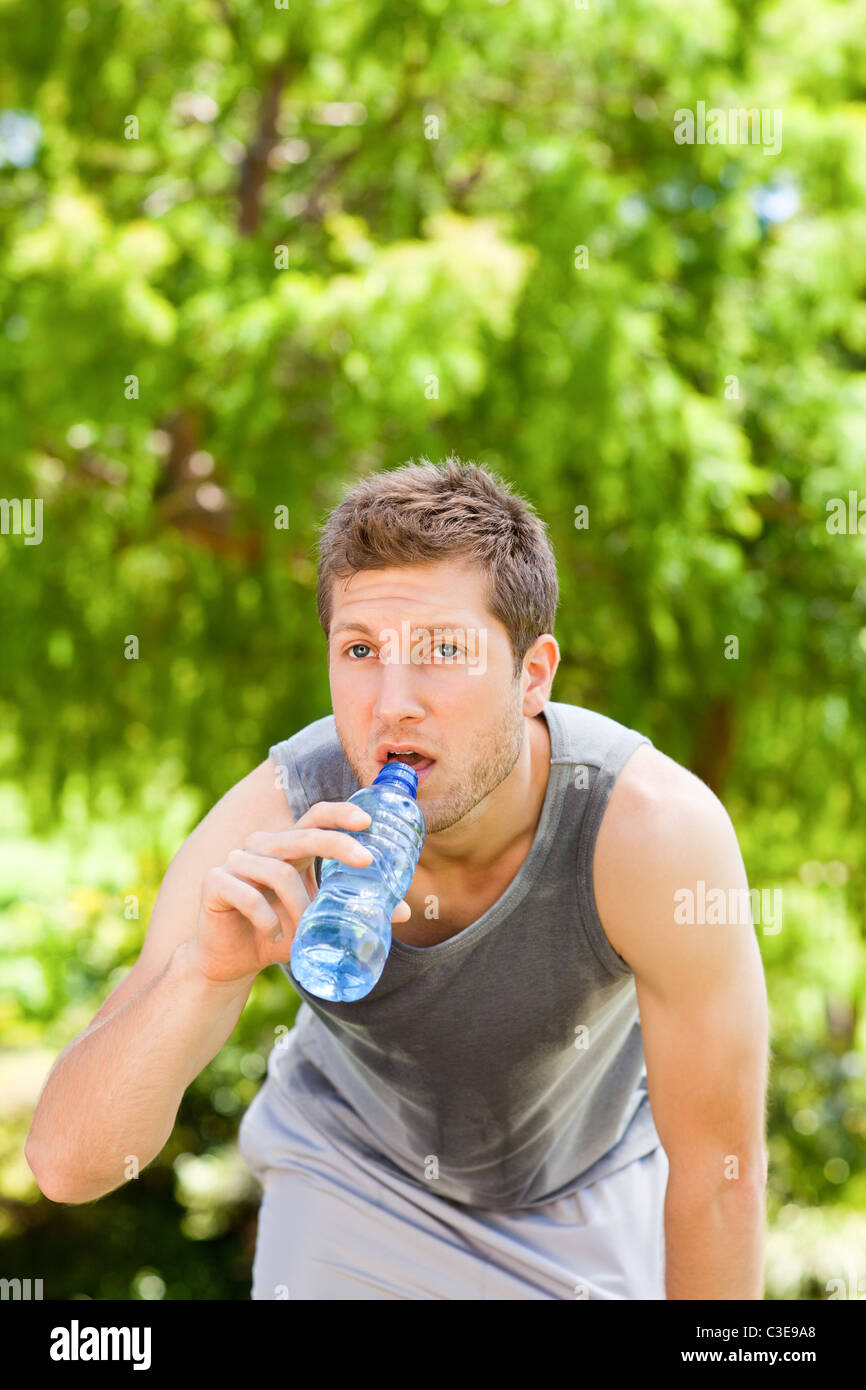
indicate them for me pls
(116, 1088)
(111, 1100)
(704, 1017)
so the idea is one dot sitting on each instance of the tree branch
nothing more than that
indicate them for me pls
(255, 165)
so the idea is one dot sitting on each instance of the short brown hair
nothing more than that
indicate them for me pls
(422, 513)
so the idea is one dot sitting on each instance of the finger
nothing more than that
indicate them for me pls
(279, 877)
(324, 815)
(402, 912)
(336, 813)
(303, 845)
(225, 893)
(339, 821)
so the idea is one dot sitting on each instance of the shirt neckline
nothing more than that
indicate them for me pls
(523, 880)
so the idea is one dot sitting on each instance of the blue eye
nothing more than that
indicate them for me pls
(450, 651)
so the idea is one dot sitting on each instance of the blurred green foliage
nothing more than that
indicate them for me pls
(286, 276)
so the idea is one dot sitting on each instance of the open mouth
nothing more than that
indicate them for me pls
(421, 764)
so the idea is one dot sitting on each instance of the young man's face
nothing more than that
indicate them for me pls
(397, 681)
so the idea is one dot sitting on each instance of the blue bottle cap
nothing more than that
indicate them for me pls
(401, 775)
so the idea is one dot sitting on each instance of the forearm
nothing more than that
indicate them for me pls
(115, 1094)
(714, 1241)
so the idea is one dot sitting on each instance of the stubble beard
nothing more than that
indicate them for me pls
(496, 750)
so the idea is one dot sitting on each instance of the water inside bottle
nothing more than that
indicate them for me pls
(346, 958)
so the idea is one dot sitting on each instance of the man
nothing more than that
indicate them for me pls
(555, 1089)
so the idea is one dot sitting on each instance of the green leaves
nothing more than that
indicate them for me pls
(252, 253)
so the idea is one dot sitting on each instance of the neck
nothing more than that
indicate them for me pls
(504, 819)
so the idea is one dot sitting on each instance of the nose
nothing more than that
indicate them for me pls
(396, 699)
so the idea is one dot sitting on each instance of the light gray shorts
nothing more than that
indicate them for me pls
(334, 1223)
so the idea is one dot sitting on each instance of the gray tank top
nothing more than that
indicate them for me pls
(503, 1067)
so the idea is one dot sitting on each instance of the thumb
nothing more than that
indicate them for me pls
(402, 912)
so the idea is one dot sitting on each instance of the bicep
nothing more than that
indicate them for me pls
(700, 983)
(706, 1048)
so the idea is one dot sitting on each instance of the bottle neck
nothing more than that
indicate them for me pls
(401, 775)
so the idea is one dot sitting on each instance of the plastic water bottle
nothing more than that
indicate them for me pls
(344, 936)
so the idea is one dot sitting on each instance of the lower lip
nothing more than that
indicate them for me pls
(423, 770)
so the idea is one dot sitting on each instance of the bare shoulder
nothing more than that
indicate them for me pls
(257, 802)
(649, 790)
(660, 824)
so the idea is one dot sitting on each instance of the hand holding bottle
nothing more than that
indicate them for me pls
(344, 938)
(252, 903)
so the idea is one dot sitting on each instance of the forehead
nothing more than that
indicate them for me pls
(452, 589)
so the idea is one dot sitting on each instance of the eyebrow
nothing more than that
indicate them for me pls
(449, 625)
